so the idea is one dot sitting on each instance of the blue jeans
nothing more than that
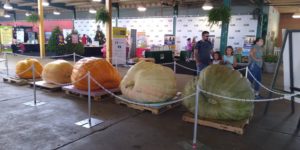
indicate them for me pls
(256, 72)
(200, 67)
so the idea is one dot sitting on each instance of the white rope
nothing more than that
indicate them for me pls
(265, 86)
(139, 103)
(186, 67)
(65, 84)
(241, 69)
(66, 55)
(247, 100)
(79, 55)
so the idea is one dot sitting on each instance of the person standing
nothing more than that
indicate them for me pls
(228, 58)
(189, 48)
(202, 52)
(84, 39)
(255, 64)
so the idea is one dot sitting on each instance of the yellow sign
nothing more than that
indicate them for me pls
(6, 34)
(119, 32)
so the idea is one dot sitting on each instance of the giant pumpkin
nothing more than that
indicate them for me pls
(223, 81)
(149, 82)
(58, 71)
(101, 70)
(26, 64)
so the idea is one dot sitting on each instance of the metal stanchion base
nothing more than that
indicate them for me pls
(31, 103)
(189, 146)
(85, 123)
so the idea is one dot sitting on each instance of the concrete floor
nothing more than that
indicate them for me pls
(51, 126)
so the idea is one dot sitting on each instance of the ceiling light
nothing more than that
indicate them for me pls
(7, 5)
(28, 14)
(45, 3)
(207, 5)
(141, 8)
(92, 11)
(55, 12)
(6, 15)
(97, 0)
(296, 15)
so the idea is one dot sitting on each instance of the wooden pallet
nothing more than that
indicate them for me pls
(18, 81)
(46, 86)
(154, 110)
(231, 126)
(95, 95)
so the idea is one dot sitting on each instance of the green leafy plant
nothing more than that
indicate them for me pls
(270, 58)
(102, 15)
(34, 18)
(222, 14)
(53, 42)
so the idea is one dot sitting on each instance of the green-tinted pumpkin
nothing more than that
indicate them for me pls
(149, 82)
(223, 81)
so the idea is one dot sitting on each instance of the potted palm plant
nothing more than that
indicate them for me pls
(270, 61)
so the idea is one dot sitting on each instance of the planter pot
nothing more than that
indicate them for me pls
(269, 67)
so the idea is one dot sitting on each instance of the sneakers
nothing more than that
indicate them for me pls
(257, 96)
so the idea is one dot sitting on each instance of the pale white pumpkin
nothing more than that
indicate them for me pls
(58, 71)
(149, 82)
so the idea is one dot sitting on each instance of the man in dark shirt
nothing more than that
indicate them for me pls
(202, 52)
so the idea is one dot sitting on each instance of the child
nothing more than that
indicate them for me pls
(189, 49)
(217, 59)
(229, 59)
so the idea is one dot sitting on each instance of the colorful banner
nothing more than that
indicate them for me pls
(6, 35)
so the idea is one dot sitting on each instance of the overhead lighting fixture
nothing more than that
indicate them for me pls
(28, 14)
(92, 11)
(45, 3)
(7, 5)
(296, 16)
(6, 15)
(97, 0)
(207, 5)
(55, 12)
(141, 8)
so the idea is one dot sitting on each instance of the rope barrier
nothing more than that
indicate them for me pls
(65, 84)
(247, 100)
(139, 103)
(265, 86)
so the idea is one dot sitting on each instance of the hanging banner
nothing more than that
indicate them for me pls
(20, 34)
(119, 46)
(6, 35)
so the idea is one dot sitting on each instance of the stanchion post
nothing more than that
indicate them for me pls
(34, 87)
(74, 57)
(196, 117)
(6, 63)
(89, 97)
(246, 73)
(174, 67)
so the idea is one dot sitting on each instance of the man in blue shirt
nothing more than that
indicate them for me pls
(202, 52)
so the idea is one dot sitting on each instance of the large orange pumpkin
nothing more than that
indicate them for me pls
(26, 64)
(101, 70)
(58, 71)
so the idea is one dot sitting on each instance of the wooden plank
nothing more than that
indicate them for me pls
(153, 109)
(231, 126)
(17, 81)
(95, 95)
(46, 86)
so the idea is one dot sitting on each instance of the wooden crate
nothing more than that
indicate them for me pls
(231, 126)
(18, 81)
(46, 86)
(95, 95)
(153, 109)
